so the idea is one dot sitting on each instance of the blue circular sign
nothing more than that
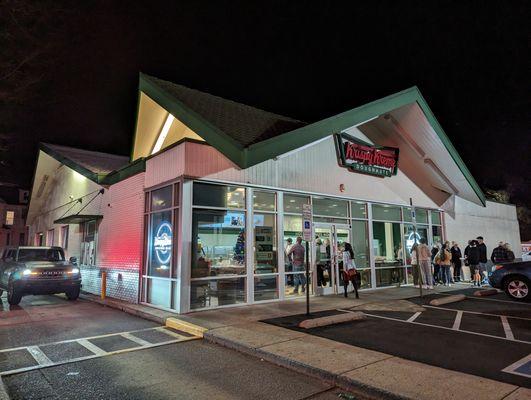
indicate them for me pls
(162, 242)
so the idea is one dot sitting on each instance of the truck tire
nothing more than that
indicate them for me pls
(517, 288)
(72, 294)
(13, 298)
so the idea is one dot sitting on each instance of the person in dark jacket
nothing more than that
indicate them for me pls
(436, 267)
(473, 257)
(499, 254)
(482, 258)
(510, 253)
(456, 261)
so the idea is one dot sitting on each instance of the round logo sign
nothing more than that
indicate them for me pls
(162, 242)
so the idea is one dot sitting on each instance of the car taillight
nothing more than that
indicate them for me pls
(497, 267)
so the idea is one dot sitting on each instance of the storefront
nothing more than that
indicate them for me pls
(205, 211)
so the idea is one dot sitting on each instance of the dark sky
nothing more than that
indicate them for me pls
(69, 70)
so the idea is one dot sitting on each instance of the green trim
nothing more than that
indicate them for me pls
(135, 128)
(214, 136)
(77, 219)
(69, 163)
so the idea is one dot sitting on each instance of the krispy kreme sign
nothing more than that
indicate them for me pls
(365, 158)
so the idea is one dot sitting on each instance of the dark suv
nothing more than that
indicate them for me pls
(38, 270)
(514, 278)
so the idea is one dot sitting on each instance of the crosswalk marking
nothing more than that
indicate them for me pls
(91, 347)
(457, 322)
(39, 356)
(414, 316)
(507, 328)
(44, 362)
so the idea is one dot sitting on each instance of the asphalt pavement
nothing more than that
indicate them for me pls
(120, 356)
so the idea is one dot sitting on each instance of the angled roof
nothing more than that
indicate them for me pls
(248, 136)
(102, 168)
(246, 125)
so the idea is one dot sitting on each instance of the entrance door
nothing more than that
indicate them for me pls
(327, 251)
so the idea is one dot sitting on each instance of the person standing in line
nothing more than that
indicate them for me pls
(444, 260)
(465, 257)
(482, 258)
(424, 257)
(288, 262)
(456, 261)
(473, 256)
(415, 264)
(329, 261)
(349, 269)
(319, 263)
(297, 252)
(510, 253)
(499, 254)
(436, 267)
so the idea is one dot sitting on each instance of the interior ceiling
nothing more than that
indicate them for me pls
(423, 156)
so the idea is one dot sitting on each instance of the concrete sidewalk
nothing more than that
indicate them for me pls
(367, 373)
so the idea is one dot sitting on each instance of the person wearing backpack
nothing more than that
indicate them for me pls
(472, 258)
(444, 260)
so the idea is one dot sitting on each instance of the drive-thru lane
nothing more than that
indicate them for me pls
(476, 336)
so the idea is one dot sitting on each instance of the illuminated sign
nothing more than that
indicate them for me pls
(366, 158)
(162, 242)
(410, 241)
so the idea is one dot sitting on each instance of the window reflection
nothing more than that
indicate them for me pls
(387, 242)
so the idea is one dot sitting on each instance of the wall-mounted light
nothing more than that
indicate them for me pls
(163, 133)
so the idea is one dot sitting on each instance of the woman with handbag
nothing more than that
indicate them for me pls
(349, 269)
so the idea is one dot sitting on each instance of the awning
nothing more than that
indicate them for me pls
(77, 219)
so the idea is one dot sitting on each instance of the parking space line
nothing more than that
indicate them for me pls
(450, 329)
(457, 322)
(507, 328)
(91, 347)
(135, 339)
(414, 316)
(39, 356)
(511, 369)
(475, 312)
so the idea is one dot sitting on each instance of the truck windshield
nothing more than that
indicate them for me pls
(40, 255)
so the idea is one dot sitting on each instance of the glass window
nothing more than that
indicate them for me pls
(160, 245)
(218, 243)
(386, 213)
(10, 217)
(265, 248)
(410, 237)
(330, 207)
(217, 292)
(421, 214)
(218, 196)
(387, 242)
(265, 288)
(437, 234)
(161, 198)
(358, 209)
(331, 220)
(293, 204)
(264, 201)
(390, 276)
(360, 243)
(292, 229)
(436, 218)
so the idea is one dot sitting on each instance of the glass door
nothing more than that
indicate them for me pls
(327, 255)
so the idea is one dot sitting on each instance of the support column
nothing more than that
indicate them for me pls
(185, 249)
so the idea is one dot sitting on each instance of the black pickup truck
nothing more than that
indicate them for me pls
(38, 270)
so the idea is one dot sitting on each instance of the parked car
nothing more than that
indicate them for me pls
(38, 270)
(526, 256)
(514, 278)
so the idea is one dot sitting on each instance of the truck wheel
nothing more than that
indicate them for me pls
(517, 288)
(13, 297)
(72, 294)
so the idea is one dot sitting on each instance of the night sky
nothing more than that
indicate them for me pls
(69, 71)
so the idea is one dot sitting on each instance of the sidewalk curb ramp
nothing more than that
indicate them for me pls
(447, 300)
(359, 389)
(332, 319)
(185, 326)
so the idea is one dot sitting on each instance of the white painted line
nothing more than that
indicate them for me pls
(511, 368)
(507, 328)
(457, 322)
(92, 347)
(135, 339)
(449, 329)
(39, 356)
(475, 312)
(414, 316)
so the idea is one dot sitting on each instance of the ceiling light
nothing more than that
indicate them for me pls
(163, 133)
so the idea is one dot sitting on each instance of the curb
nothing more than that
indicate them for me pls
(185, 326)
(122, 307)
(3, 392)
(363, 391)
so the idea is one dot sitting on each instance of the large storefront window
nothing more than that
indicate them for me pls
(161, 223)
(330, 207)
(360, 244)
(88, 245)
(384, 212)
(388, 254)
(218, 246)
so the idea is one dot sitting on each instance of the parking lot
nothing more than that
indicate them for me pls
(484, 336)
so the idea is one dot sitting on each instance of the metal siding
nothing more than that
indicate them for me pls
(165, 166)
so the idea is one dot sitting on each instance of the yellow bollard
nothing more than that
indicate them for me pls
(103, 284)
